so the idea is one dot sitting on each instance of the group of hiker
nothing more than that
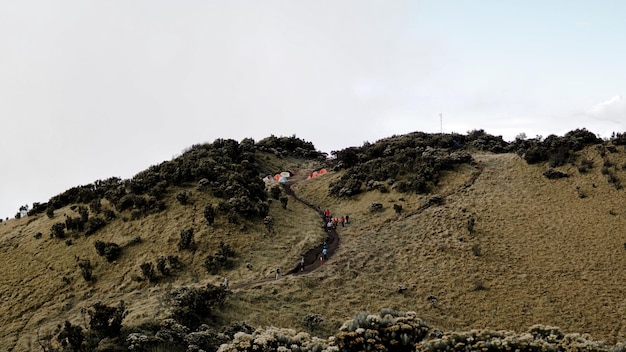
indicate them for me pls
(331, 221)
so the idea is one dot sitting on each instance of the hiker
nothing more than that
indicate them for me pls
(277, 273)
(325, 254)
(321, 259)
(225, 284)
(329, 226)
(347, 219)
(327, 213)
(302, 264)
(325, 245)
(342, 220)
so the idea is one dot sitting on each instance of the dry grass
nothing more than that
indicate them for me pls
(546, 256)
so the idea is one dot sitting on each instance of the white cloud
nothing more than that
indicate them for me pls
(612, 109)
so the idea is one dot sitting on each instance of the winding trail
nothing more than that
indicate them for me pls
(312, 256)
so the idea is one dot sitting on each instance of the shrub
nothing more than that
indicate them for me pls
(106, 321)
(209, 214)
(96, 206)
(162, 266)
(555, 174)
(58, 230)
(220, 260)
(393, 331)
(147, 269)
(186, 240)
(192, 305)
(275, 192)
(476, 250)
(183, 197)
(93, 225)
(585, 165)
(283, 201)
(312, 321)
(86, 270)
(50, 212)
(109, 250)
(71, 337)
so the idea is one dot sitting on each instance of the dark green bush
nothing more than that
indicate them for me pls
(109, 250)
(71, 337)
(105, 321)
(93, 225)
(58, 230)
(186, 241)
(193, 305)
(147, 269)
(209, 214)
(86, 270)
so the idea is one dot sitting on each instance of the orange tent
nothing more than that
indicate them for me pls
(277, 177)
(315, 174)
(323, 171)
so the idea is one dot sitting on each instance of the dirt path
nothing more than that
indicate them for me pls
(312, 256)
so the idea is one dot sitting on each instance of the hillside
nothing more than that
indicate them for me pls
(488, 244)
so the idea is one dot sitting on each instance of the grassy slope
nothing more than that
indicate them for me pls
(546, 256)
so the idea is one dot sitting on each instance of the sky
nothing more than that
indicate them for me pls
(97, 89)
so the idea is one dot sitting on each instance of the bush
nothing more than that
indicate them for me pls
(86, 270)
(57, 230)
(312, 321)
(109, 250)
(221, 259)
(389, 331)
(275, 192)
(162, 266)
(93, 225)
(183, 197)
(147, 269)
(209, 214)
(192, 305)
(283, 201)
(186, 241)
(106, 321)
(71, 337)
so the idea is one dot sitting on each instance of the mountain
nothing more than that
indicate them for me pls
(480, 238)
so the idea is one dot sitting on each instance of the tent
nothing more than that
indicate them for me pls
(283, 179)
(285, 174)
(323, 171)
(277, 177)
(315, 174)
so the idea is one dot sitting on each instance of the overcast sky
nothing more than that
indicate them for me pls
(95, 89)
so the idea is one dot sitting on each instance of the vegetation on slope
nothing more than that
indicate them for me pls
(419, 174)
